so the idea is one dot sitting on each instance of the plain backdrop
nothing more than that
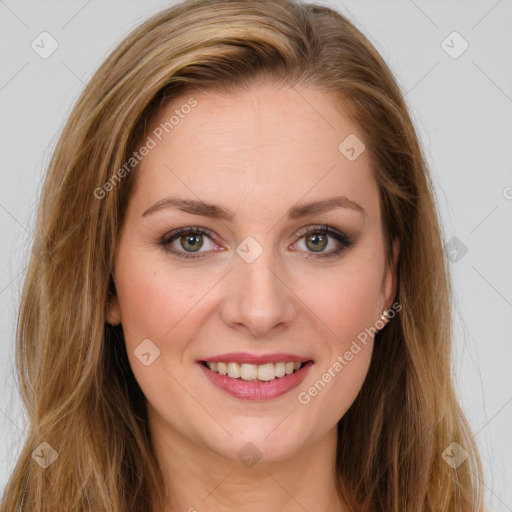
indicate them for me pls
(459, 90)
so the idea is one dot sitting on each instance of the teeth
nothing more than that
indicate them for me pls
(254, 372)
(249, 371)
(233, 370)
(266, 372)
(280, 369)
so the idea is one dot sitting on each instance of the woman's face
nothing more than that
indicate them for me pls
(252, 286)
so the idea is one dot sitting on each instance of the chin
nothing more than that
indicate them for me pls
(266, 439)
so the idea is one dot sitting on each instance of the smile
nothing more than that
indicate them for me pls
(254, 372)
(255, 381)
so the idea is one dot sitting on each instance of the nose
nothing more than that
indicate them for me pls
(258, 297)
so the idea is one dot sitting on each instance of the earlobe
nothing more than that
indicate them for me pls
(390, 284)
(113, 316)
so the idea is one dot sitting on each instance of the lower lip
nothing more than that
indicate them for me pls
(247, 390)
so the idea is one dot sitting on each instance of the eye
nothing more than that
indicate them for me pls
(189, 239)
(187, 242)
(316, 239)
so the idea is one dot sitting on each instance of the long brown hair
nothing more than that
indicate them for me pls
(75, 379)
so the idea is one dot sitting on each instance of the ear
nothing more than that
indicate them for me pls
(113, 315)
(390, 281)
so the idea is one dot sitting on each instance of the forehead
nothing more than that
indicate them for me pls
(266, 143)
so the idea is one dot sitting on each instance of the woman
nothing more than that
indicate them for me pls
(301, 359)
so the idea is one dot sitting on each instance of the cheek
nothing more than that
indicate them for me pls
(152, 301)
(346, 301)
(346, 308)
(141, 297)
(154, 308)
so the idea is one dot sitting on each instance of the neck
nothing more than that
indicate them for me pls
(199, 479)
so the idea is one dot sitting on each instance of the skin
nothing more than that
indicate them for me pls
(259, 153)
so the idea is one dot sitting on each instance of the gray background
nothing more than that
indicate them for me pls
(463, 110)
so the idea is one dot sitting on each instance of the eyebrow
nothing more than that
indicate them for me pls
(195, 207)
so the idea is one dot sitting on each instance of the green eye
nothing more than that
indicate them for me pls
(318, 241)
(194, 241)
(191, 240)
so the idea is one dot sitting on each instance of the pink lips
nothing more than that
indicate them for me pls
(247, 390)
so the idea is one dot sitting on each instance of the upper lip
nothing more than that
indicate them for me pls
(248, 358)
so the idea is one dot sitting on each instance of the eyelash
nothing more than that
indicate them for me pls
(341, 237)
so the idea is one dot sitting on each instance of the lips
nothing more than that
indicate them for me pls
(232, 374)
